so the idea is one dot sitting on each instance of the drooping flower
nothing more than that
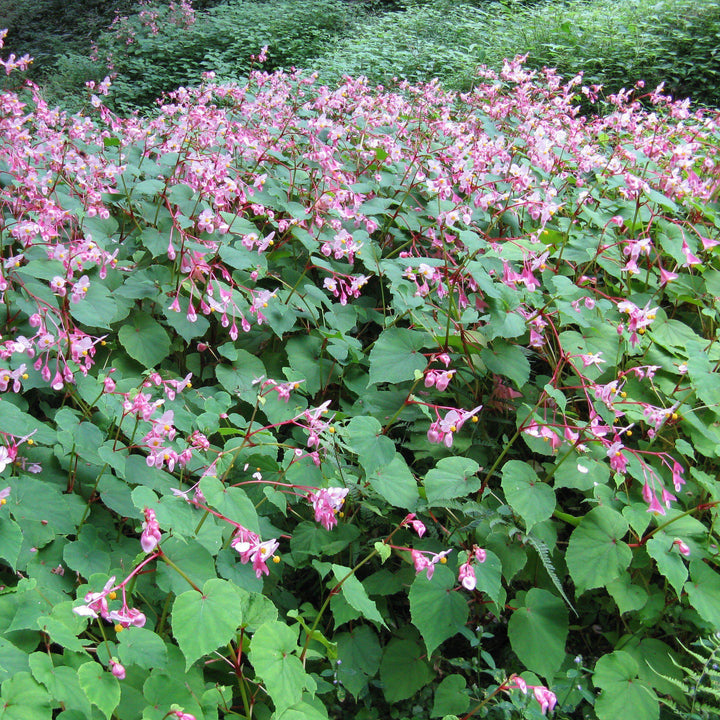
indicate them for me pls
(151, 532)
(326, 504)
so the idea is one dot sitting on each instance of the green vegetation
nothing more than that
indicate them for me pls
(613, 43)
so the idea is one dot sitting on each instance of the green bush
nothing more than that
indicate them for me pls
(159, 49)
(614, 44)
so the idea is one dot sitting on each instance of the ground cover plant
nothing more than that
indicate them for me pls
(338, 401)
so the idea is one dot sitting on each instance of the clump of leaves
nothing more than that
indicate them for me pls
(327, 398)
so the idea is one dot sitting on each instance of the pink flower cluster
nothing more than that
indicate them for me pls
(545, 697)
(150, 536)
(443, 430)
(96, 605)
(327, 503)
(253, 550)
(466, 572)
(424, 560)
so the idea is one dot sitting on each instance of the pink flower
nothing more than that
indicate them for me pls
(251, 549)
(425, 560)
(682, 547)
(327, 503)
(96, 603)
(151, 532)
(466, 576)
(416, 524)
(545, 697)
(677, 476)
(117, 669)
(690, 259)
(443, 430)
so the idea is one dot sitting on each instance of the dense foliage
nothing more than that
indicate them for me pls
(318, 400)
(614, 43)
(166, 44)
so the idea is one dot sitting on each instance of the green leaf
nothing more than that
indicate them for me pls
(22, 698)
(232, 502)
(144, 340)
(669, 561)
(538, 632)
(272, 655)
(396, 356)
(383, 550)
(395, 483)
(623, 696)
(703, 591)
(450, 697)
(433, 599)
(532, 499)
(11, 538)
(196, 562)
(97, 308)
(403, 669)
(87, 554)
(61, 681)
(63, 626)
(359, 652)
(313, 709)
(373, 449)
(12, 660)
(100, 686)
(241, 377)
(507, 360)
(596, 554)
(356, 595)
(628, 596)
(138, 646)
(488, 575)
(257, 610)
(452, 477)
(307, 362)
(202, 622)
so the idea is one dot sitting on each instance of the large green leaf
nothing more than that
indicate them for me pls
(144, 339)
(241, 378)
(703, 591)
(202, 622)
(669, 561)
(142, 647)
(538, 631)
(356, 595)
(97, 309)
(62, 681)
(404, 669)
(395, 483)
(532, 499)
(11, 538)
(396, 356)
(272, 653)
(23, 698)
(450, 697)
(433, 599)
(508, 360)
(232, 502)
(359, 654)
(596, 553)
(452, 477)
(101, 687)
(623, 696)
(194, 559)
(373, 449)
